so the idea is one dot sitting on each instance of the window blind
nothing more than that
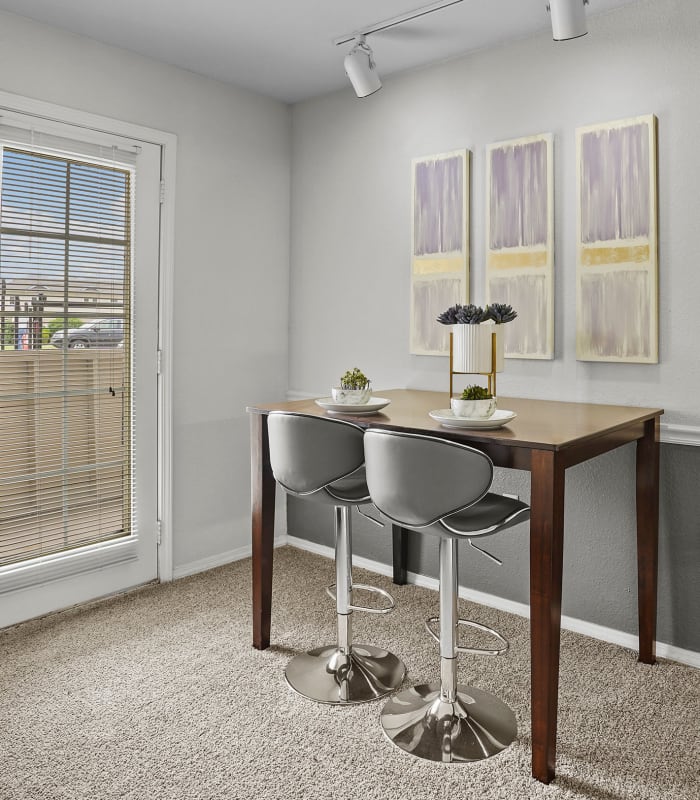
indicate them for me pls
(65, 387)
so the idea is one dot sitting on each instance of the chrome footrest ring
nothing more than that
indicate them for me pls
(366, 588)
(468, 623)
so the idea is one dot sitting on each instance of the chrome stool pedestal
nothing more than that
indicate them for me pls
(445, 721)
(473, 726)
(439, 487)
(346, 673)
(328, 675)
(322, 459)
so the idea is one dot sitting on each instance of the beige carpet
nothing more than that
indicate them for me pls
(158, 694)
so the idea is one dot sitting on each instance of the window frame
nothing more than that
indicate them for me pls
(92, 126)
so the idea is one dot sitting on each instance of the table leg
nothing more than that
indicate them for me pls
(647, 537)
(262, 484)
(400, 547)
(546, 552)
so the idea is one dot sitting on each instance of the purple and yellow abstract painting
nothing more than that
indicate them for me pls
(440, 247)
(520, 242)
(617, 251)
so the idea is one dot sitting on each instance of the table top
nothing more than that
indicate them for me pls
(541, 424)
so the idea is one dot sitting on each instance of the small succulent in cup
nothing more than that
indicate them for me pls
(354, 379)
(476, 392)
(354, 388)
(475, 402)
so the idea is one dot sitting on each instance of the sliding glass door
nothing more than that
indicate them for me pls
(79, 252)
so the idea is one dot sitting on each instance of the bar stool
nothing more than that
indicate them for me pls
(322, 459)
(439, 487)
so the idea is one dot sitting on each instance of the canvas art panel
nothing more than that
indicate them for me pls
(520, 241)
(439, 246)
(617, 245)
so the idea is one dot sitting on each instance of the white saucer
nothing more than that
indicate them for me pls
(373, 405)
(445, 417)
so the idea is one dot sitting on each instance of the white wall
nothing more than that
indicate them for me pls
(350, 268)
(350, 222)
(231, 255)
(351, 201)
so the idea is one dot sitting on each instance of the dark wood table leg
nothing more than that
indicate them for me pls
(400, 548)
(647, 538)
(546, 552)
(262, 485)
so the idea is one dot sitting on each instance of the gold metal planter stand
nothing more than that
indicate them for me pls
(491, 375)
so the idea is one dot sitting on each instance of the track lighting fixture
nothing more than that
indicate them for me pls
(568, 19)
(568, 22)
(359, 62)
(361, 69)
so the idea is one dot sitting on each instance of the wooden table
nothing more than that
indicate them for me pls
(546, 438)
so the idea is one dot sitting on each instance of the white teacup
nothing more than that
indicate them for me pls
(354, 397)
(474, 409)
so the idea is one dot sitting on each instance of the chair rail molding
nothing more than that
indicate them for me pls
(680, 434)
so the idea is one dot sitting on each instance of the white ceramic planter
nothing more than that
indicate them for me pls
(351, 396)
(473, 409)
(471, 347)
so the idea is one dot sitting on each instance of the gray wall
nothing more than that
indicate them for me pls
(350, 260)
(231, 255)
(600, 579)
(350, 246)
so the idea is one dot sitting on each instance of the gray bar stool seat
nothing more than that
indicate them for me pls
(322, 459)
(438, 487)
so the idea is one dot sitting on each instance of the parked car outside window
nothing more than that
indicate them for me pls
(95, 333)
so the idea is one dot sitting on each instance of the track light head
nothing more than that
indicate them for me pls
(361, 69)
(568, 19)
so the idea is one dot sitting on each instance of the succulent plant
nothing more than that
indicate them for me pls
(476, 392)
(354, 379)
(472, 315)
(449, 317)
(463, 315)
(500, 313)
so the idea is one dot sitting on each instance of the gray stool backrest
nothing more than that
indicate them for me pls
(308, 453)
(417, 480)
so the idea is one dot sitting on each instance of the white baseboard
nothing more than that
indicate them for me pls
(218, 560)
(610, 635)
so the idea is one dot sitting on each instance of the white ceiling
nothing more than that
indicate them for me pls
(283, 48)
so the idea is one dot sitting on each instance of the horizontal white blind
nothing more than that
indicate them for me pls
(65, 398)
(52, 137)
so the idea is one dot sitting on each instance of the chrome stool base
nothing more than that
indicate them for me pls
(329, 676)
(475, 726)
